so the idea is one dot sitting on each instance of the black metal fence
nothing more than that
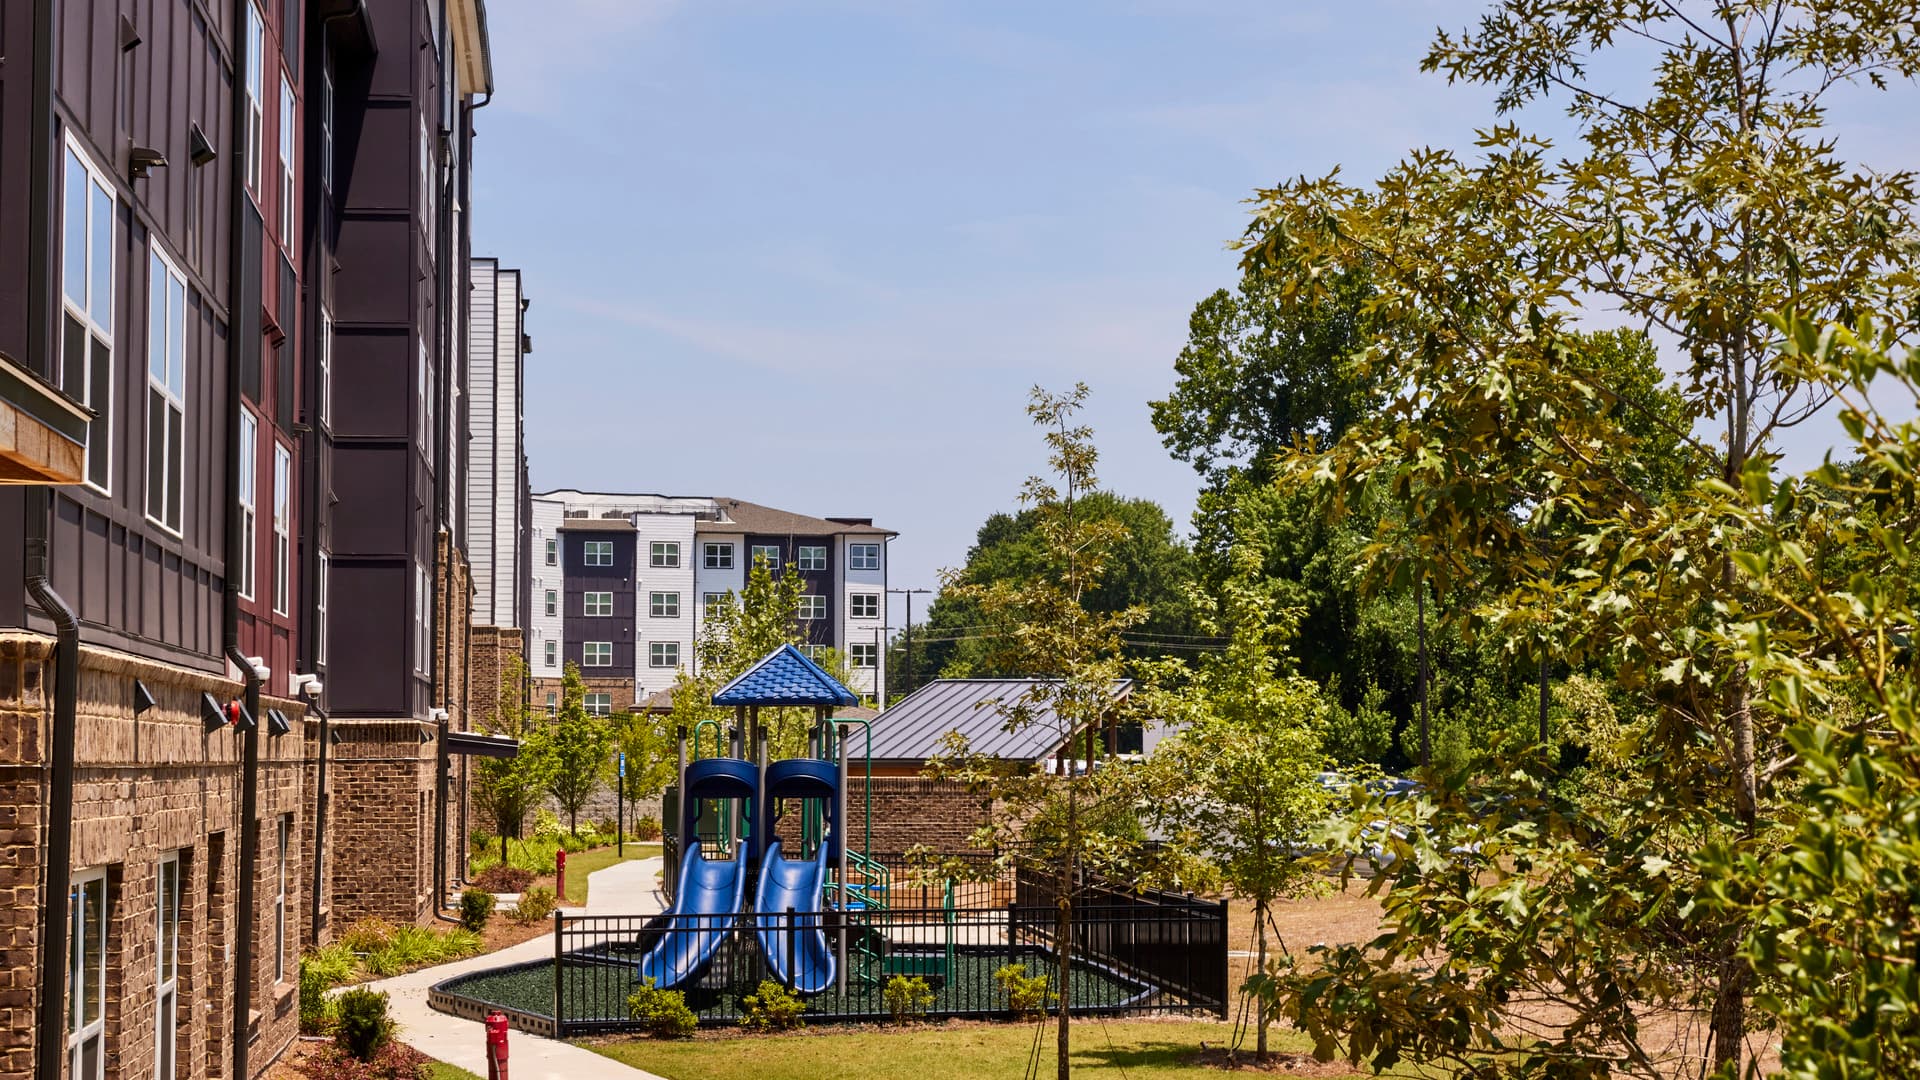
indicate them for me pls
(1130, 957)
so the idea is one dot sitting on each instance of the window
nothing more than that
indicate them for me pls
(553, 552)
(166, 997)
(326, 129)
(864, 656)
(665, 553)
(326, 368)
(812, 558)
(599, 704)
(87, 977)
(864, 605)
(815, 653)
(426, 396)
(717, 556)
(282, 522)
(863, 556)
(166, 390)
(712, 602)
(596, 654)
(599, 604)
(428, 167)
(286, 163)
(320, 608)
(249, 473)
(553, 603)
(598, 552)
(553, 706)
(86, 342)
(666, 605)
(552, 650)
(663, 654)
(256, 94)
(813, 607)
(280, 902)
(769, 553)
(422, 618)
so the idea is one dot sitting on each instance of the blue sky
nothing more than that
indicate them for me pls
(814, 255)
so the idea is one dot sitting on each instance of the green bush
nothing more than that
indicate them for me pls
(412, 947)
(773, 1007)
(535, 904)
(547, 826)
(1027, 995)
(364, 1026)
(333, 964)
(907, 998)
(476, 907)
(316, 1014)
(368, 935)
(503, 879)
(664, 1012)
(646, 829)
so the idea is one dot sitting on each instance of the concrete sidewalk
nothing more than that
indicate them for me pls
(628, 888)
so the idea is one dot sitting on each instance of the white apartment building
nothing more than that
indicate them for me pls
(496, 448)
(621, 583)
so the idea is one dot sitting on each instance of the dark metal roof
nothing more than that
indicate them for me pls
(915, 729)
(479, 745)
(746, 517)
(785, 677)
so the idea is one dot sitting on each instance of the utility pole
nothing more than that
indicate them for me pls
(910, 594)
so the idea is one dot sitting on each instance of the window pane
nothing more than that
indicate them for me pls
(100, 301)
(99, 399)
(73, 252)
(176, 453)
(73, 360)
(157, 319)
(93, 898)
(177, 338)
(156, 455)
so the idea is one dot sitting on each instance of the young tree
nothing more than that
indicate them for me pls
(1711, 205)
(648, 742)
(507, 789)
(1068, 823)
(576, 747)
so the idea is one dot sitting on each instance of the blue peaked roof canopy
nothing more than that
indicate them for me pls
(785, 677)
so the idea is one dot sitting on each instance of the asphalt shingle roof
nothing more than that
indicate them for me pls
(914, 729)
(785, 677)
(746, 517)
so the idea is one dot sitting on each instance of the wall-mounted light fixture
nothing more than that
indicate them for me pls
(336, 737)
(199, 149)
(142, 160)
(212, 716)
(239, 717)
(426, 734)
(142, 697)
(277, 722)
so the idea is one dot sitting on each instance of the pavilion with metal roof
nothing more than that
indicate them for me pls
(915, 729)
(785, 677)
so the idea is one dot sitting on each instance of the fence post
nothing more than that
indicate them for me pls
(559, 1013)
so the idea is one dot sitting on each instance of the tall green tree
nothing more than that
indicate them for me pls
(1068, 823)
(507, 789)
(1709, 202)
(576, 746)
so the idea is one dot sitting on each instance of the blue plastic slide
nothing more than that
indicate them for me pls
(798, 955)
(704, 912)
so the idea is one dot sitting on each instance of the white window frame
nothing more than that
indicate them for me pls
(169, 889)
(83, 1029)
(664, 554)
(426, 382)
(553, 703)
(248, 494)
(552, 655)
(326, 127)
(422, 621)
(553, 604)
(166, 388)
(863, 556)
(863, 605)
(811, 557)
(868, 649)
(320, 586)
(325, 410)
(429, 166)
(280, 902)
(597, 704)
(709, 601)
(286, 163)
(770, 551)
(596, 604)
(813, 607)
(716, 555)
(592, 551)
(663, 605)
(94, 314)
(256, 96)
(815, 653)
(663, 654)
(591, 649)
(553, 552)
(282, 524)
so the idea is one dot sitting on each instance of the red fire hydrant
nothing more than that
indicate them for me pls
(496, 1045)
(560, 873)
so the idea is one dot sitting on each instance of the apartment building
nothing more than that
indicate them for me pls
(622, 584)
(233, 366)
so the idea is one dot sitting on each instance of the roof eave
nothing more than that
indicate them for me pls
(467, 24)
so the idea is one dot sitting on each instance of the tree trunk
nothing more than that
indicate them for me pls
(1063, 937)
(1260, 1003)
(1426, 740)
(1730, 1009)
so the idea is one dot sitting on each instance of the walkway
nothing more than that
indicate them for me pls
(627, 888)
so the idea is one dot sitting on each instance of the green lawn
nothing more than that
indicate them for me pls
(1120, 1049)
(580, 864)
(440, 1070)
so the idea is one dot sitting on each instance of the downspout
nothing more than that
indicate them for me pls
(50, 1049)
(442, 453)
(319, 812)
(230, 593)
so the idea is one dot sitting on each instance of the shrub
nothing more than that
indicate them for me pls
(395, 1061)
(664, 1012)
(368, 935)
(503, 879)
(1027, 995)
(773, 1008)
(332, 964)
(907, 999)
(535, 904)
(364, 1026)
(476, 907)
(607, 827)
(316, 1017)
(646, 829)
(546, 826)
(412, 947)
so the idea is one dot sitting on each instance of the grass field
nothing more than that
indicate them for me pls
(586, 862)
(1121, 1050)
(440, 1070)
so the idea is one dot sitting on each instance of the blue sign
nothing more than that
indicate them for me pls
(623, 763)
